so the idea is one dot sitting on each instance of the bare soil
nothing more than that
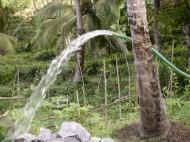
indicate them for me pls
(178, 133)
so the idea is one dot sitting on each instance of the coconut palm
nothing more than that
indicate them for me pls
(153, 119)
(54, 18)
(58, 21)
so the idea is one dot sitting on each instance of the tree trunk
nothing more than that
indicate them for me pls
(34, 4)
(186, 30)
(2, 18)
(153, 119)
(187, 33)
(156, 25)
(80, 54)
(177, 2)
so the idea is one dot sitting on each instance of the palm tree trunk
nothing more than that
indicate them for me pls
(80, 54)
(156, 25)
(153, 119)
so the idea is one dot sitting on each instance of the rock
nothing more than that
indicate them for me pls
(75, 130)
(71, 139)
(56, 140)
(67, 139)
(107, 140)
(69, 132)
(95, 139)
(45, 135)
(26, 138)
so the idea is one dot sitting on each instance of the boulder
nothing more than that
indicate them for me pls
(56, 140)
(46, 134)
(68, 139)
(107, 140)
(96, 139)
(69, 132)
(26, 138)
(74, 130)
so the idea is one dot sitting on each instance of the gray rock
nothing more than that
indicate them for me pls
(107, 140)
(67, 139)
(71, 139)
(56, 140)
(45, 135)
(96, 139)
(26, 138)
(73, 129)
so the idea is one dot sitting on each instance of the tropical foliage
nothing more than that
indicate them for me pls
(30, 40)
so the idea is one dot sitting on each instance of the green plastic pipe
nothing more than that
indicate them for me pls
(169, 64)
(161, 57)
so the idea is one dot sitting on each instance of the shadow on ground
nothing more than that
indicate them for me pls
(178, 133)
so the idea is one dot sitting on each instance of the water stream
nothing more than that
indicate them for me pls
(23, 123)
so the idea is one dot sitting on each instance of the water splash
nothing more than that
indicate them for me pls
(23, 124)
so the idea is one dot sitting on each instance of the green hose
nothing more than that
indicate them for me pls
(162, 58)
(169, 64)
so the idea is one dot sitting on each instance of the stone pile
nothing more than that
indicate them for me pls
(69, 132)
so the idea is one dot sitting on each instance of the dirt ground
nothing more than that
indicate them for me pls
(178, 133)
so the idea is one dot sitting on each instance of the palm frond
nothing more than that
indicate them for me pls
(108, 11)
(51, 30)
(7, 44)
(55, 9)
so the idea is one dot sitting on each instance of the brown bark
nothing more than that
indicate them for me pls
(80, 54)
(153, 117)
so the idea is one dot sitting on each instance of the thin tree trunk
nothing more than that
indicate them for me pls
(80, 54)
(156, 25)
(43, 3)
(119, 88)
(34, 4)
(78, 102)
(2, 18)
(170, 88)
(186, 30)
(153, 119)
(187, 33)
(105, 91)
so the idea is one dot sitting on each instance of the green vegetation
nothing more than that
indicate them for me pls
(28, 44)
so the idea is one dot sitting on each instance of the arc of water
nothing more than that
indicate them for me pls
(23, 124)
